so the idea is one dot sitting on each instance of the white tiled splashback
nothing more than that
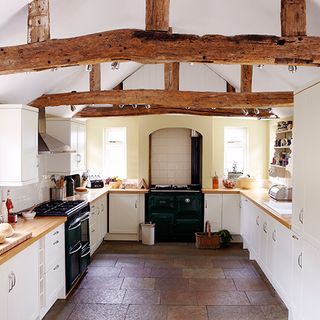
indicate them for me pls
(171, 156)
(26, 196)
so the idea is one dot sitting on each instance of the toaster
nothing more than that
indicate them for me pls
(95, 182)
(280, 192)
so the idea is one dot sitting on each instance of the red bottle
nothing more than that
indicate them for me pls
(9, 203)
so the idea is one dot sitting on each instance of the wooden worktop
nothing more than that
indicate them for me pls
(39, 226)
(94, 194)
(257, 196)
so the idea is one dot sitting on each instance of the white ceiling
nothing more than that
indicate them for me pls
(73, 17)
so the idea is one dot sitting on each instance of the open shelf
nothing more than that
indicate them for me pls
(284, 131)
(277, 166)
(283, 147)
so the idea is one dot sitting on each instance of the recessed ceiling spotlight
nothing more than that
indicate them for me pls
(147, 106)
(292, 69)
(245, 111)
(115, 65)
(89, 67)
(73, 108)
(121, 106)
(256, 111)
(260, 66)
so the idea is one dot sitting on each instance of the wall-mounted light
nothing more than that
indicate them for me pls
(115, 65)
(245, 111)
(73, 108)
(292, 69)
(89, 67)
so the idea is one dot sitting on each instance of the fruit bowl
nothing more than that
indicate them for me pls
(229, 184)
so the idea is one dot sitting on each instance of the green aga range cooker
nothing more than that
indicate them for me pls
(177, 211)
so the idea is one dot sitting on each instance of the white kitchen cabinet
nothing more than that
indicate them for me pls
(103, 218)
(264, 236)
(213, 210)
(22, 284)
(231, 213)
(244, 222)
(310, 262)
(18, 145)
(3, 291)
(72, 133)
(255, 230)
(126, 212)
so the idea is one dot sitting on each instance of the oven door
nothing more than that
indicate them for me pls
(85, 229)
(73, 265)
(73, 235)
(84, 258)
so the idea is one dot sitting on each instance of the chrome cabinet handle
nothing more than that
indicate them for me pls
(78, 157)
(257, 220)
(206, 204)
(295, 237)
(56, 242)
(55, 233)
(265, 227)
(10, 282)
(301, 216)
(274, 236)
(76, 250)
(136, 204)
(300, 260)
(56, 267)
(14, 279)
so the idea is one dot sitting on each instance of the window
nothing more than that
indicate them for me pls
(115, 163)
(235, 149)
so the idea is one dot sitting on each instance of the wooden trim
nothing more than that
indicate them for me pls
(160, 47)
(293, 18)
(172, 99)
(157, 15)
(246, 78)
(171, 75)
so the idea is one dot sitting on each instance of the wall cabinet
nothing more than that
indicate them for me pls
(72, 133)
(126, 212)
(20, 292)
(98, 222)
(223, 212)
(18, 145)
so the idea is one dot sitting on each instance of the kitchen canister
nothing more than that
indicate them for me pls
(56, 194)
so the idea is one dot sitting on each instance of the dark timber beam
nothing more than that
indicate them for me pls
(172, 99)
(230, 87)
(171, 76)
(95, 78)
(246, 78)
(293, 17)
(157, 15)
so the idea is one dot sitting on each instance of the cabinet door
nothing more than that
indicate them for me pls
(296, 277)
(4, 289)
(213, 210)
(263, 242)
(103, 219)
(310, 281)
(24, 271)
(231, 213)
(255, 230)
(123, 213)
(81, 147)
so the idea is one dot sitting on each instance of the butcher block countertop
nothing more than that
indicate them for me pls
(39, 226)
(258, 196)
(94, 194)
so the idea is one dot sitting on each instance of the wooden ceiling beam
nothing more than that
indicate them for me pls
(293, 18)
(172, 99)
(160, 47)
(157, 15)
(230, 87)
(93, 112)
(171, 76)
(246, 78)
(38, 21)
(95, 78)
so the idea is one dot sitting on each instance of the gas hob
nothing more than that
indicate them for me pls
(59, 208)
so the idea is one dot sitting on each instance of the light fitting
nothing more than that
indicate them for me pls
(121, 106)
(147, 106)
(256, 111)
(54, 69)
(213, 108)
(188, 108)
(260, 66)
(191, 63)
(115, 65)
(245, 112)
(270, 110)
(89, 67)
(73, 108)
(292, 69)
(134, 106)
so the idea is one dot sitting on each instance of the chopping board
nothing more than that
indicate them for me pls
(14, 240)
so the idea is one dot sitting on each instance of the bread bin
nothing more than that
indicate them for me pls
(247, 182)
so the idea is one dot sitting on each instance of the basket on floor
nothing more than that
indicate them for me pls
(207, 239)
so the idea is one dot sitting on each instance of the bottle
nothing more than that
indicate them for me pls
(215, 181)
(9, 204)
(4, 211)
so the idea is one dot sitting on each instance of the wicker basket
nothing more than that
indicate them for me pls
(207, 240)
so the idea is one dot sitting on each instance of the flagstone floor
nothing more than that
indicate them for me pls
(170, 281)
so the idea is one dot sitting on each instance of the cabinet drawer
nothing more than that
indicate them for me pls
(94, 211)
(54, 247)
(93, 237)
(55, 280)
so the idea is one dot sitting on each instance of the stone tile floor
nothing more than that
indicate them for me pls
(170, 281)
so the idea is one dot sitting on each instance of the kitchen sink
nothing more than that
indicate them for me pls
(281, 207)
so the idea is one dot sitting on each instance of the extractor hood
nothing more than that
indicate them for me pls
(47, 143)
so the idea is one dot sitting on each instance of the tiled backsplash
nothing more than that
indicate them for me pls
(26, 196)
(171, 156)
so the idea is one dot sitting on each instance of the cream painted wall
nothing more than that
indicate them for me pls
(258, 142)
(212, 130)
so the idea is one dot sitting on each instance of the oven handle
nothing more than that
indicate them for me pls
(86, 253)
(85, 217)
(76, 250)
(74, 225)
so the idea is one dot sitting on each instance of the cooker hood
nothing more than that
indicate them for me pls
(47, 143)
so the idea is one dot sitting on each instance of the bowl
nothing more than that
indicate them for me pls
(28, 215)
(229, 184)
